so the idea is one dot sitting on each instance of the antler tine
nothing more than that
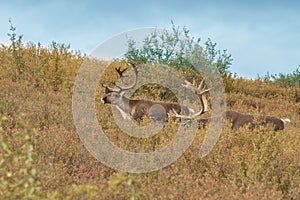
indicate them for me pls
(175, 114)
(201, 85)
(121, 72)
(204, 91)
(117, 86)
(194, 82)
(108, 89)
(135, 69)
(189, 118)
(196, 89)
(189, 85)
(199, 91)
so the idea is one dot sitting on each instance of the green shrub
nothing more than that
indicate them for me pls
(19, 172)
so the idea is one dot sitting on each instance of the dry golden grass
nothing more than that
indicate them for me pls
(43, 157)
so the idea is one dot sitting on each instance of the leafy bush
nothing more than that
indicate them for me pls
(42, 67)
(16, 51)
(19, 172)
(286, 80)
(174, 48)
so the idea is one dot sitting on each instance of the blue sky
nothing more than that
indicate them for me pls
(262, 36)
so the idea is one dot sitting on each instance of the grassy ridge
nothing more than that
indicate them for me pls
(42, 156)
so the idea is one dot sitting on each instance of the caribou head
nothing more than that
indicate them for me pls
(116, 95)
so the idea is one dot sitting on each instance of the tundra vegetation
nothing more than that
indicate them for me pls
(42, 157)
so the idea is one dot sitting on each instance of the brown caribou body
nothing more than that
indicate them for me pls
(240, 119)
(139, 108)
